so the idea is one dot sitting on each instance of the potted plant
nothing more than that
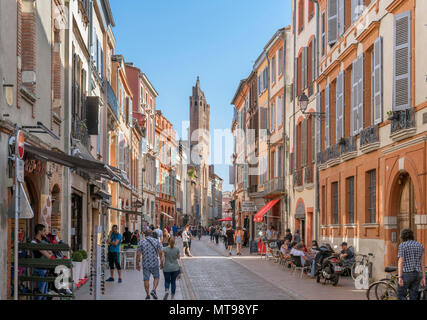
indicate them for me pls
(77, 259)
(83, 268)
(342, 141)
(392, 115)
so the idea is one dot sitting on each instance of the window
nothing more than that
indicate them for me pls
(301, 16)
(273, 70)
(357, 120)
(357, 7)
(272, 118)
(279, 111)
(310, 10)
(280, 162)
(280, 61)
(350, 200)
(372, 196)
(335, 203)
(323, 33)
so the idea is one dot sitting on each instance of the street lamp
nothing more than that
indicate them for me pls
(303, 104)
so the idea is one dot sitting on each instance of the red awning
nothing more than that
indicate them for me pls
(226, 219)
(260, 215)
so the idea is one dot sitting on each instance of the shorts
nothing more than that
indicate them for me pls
(230, 242)
(147, 272)
(113, 260)
(186, 244)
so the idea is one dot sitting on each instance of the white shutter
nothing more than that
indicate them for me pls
(341, 17)
(332, 21)
(340, 107)
(354, 104)
(378, 81)
(327, 117)
(313, 60)
(360, 92)
(354, 6)
(318, 120)
(402, 62)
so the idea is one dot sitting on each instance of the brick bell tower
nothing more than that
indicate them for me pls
(200, 144)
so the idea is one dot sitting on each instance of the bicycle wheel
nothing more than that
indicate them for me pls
(370, 293)
(354, 269)
(385, 291)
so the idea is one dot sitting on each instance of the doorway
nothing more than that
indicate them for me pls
(407, 211)
(76, 222)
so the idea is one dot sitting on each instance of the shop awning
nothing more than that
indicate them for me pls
(260, 215)
(170, 217)
(225, 219)
(92, 167)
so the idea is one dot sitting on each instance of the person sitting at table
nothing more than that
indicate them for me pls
(284, 249)
(298, 251)
(314, 248)
(135, 238)
(304, 248)
(127, 235)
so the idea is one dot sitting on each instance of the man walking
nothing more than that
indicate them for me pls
(174, 230)
(114, 239)
(151, 251)
(410, 266)
(159, 234)
(186, 238)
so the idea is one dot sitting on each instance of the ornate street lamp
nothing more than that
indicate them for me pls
(303, 104)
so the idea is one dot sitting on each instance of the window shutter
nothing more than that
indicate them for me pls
(318, 120)
(306, 67)
(341, 17)
(360, 93)
(378, 81)
(296, 80)
(245, 177)
(332, 21)
(354, 110)
(327, 119)
(313, 58)
(354, 5)
(340, 107)
(402, 62)
(313, 140)
(304, 143)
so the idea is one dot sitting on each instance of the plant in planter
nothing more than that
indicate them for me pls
(342, 141)
(83, 268)
(77, 259)
(392, 115)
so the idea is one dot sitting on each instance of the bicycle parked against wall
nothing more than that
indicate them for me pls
(358, 266)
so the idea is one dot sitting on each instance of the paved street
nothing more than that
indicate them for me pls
(213, 276)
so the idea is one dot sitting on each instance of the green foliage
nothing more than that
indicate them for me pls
(84, 254)
(77, 256)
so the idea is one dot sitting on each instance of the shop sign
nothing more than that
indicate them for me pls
(248, 206)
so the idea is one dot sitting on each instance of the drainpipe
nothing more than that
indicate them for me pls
(294, 87)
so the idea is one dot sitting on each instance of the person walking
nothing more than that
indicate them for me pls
(410, 266)
(229, 233)
(174, 230)
(186, 238)
(171, 268)
(216, 235)
(166, 237)
(238, 238)
(297, 237)
(114, 239)
(159, 234)
(151, 250)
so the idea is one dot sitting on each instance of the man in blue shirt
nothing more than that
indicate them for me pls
(114, 239)
(174, 230)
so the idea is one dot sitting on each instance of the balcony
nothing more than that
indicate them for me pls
(333, 155)
(308, 175)
(348, 148)
(369, 139)
(275, 186)
(112, 101)
(79, 130)
(402, 124)
(298, 177)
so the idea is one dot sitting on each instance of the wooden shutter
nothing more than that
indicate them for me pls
(332, 21)
(304, 143)
(318, 120)
(313, 60)
(341, 17)
(327, 118)
(340, 107)
(360, 93)
(378, 81)
(402, 62)
(297, 77)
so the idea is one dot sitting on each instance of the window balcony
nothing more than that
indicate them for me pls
(275, 186)
(298, 177)
(402, 124)
(112, 101)
(369, 139)
(332, 155)
(79, 130)
(348, 148)
(308, 175)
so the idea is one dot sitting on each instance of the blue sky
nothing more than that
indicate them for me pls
(174, 41)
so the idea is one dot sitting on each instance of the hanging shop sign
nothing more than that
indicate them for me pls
(248, 206)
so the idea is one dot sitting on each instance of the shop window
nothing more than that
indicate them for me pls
(350, 200)
(335, 203)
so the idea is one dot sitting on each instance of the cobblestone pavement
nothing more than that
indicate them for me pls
(213, 276)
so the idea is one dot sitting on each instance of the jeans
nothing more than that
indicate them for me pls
(313, 267)
(42, 286)
(170, 280)
(411, 283)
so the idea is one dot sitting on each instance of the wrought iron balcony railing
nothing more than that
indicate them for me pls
(79, 130)
(348, 145)
(276, 185)
(402, 120)
(332, 152)
(369, 135)
(308, 175)
(298, 177)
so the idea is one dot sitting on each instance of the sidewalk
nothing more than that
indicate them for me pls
(305, 288)
(132, 288)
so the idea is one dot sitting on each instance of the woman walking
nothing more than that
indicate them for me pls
(229, 234)
(171, 268)
(238, 238)
(166, 237)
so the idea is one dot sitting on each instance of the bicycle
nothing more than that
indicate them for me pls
(357, 267)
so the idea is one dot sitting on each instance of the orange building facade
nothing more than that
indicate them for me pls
(373, 151)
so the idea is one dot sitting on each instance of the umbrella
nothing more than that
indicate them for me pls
(226, 219)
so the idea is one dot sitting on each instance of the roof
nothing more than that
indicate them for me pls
(239, 89)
